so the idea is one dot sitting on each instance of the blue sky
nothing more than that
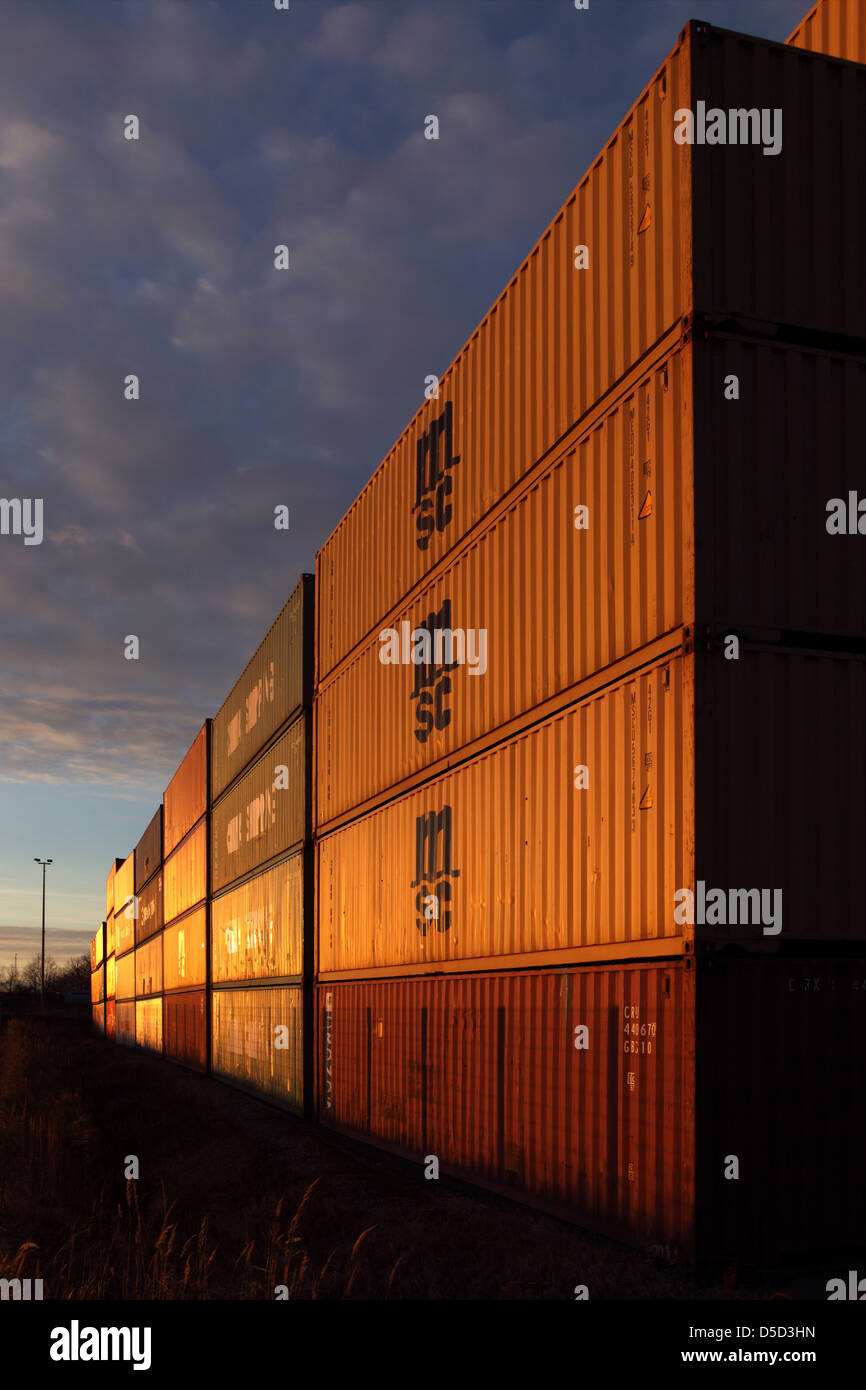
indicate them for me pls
(155, 257)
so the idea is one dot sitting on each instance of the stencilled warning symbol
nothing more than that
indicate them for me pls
(646, 506)
(646, 801)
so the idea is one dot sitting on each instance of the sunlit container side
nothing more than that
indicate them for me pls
(92, 953)
(184, 952)
(111, 1018)
(125, 1033)
(124, 884)
(539, 600)
(97, 985)
(670, 229)
(99, 944)
(124, 928)
(148, 967)
(274, 685)
(573, 835)
(98, 1012)
(257, 1041)
(109, 886)
(572, 1088)
(185, 799)
(185, 1028)
(265, 812)
(185, 874)
(836, 27)
(148, 851)
(150, 909)
(110, 978)
(780, 752)
(126, 976)
(148, 1024)
(257, 929)
(110, 935)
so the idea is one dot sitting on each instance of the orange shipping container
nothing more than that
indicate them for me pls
(148, 851)
(110, 1018)
(125, 1017)
(124, 884)
(124, 929)
(148, 967)
(97, 985)
(110, 977)
(150, 909)
(184, 952)
(274, 685)
(185, 1028)
(257, 929)
(109, 886)
(257, 1042)
(836, 27)
(257, 820)
(185, 874)
(98, 952)
(669, 230)
(110, 941)
(185, 799)
(612, 1093)
(148, 1024)
(126, 976)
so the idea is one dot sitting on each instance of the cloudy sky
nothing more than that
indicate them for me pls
(155, 257)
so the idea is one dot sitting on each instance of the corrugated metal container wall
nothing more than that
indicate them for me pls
(837, 27)
(109, 886)
(268, 693)
(558, 338)
(573, 1087)
(185, 1028)
(150, 909)
(185, 799)
(110, 937)
(255, 821)
(148, 851)
(148, 967)
(554, 603)
(92, 954)
(185, 874)
(801, 420)
(257, 929)
(98, 1012)
(126, 976)
(184, 952)
(111, 1018)
(126, 1023)
(110, 977)
(148, 1024)
(99, 943)
(494, 843)
(97, 985)
(787, 1034)
(124, 884)
(244, 1041)
(124, 925)
(800, 825)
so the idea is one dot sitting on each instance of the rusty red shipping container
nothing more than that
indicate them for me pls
(577, 1091)
(276, 682)
(111, 1018)
(671, 230)
(184, 1028)
(836, 27)
(185, 799)
(125, 1023)
(148, 851)
(265, 812)
(150, 917)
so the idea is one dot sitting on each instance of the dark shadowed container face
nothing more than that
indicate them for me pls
(271, 689)
(257, 1041)
(185, 799)
(185, 1028)
(570, 1088)
(99, 1019)
(148, 851)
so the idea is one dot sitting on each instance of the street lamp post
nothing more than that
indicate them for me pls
(44, 863)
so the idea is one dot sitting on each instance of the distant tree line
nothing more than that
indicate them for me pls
(26, 979)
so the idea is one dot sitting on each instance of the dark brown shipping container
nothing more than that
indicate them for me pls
(98, 1011)
(255, 821)
(672, 230)
(185, 799)
(836, 27)
(111, 1018)
(576, 1090)
(148, 851)
(276, 682)
(150, 909)
(125, 1015)
(184, 1028)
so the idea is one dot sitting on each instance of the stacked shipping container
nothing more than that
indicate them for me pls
(837, 27)
(262, 866)
(628, 465)
(182, 947)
